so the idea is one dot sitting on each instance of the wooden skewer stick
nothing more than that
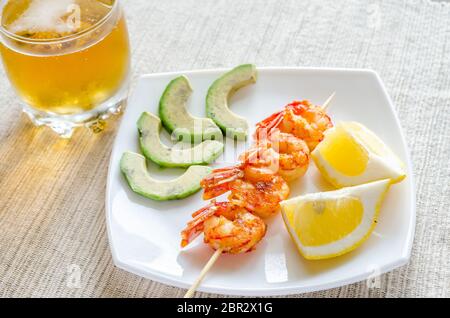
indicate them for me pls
(328, 101)
(205, 270)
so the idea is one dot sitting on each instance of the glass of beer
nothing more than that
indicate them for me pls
(68, 60)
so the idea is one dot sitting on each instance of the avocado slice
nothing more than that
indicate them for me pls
(134, 168)
(149, 127)
(176, 118)
(217, 100)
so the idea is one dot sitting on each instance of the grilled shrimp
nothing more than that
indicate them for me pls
(302, 119)
(262, 198)
(225, 226)
(257, 188)
(283, 153)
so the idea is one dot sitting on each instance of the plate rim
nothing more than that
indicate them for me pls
(281, 290)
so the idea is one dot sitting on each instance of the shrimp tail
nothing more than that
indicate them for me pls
(218, 181)
(273, 121)
(195, 227)
(265, 127)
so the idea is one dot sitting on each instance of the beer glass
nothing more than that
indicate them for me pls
(68, 60)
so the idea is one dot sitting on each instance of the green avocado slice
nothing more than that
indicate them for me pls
(134, 168)
(176, 118)
(217, 100)
(149, 127)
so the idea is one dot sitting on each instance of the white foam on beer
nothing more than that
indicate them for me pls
(44, 16)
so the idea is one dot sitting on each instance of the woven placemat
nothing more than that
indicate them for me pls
(52, 218)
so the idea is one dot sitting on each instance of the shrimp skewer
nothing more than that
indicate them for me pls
(253, 184)
(258, 183)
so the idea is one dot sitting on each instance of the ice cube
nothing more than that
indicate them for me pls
(47, 16)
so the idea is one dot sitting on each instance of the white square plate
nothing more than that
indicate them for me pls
(145, 235)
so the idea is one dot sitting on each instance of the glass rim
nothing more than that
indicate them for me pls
(67, 38)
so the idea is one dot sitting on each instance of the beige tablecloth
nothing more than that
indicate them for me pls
(52, 212)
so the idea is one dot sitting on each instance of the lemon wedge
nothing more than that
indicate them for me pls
(351, 154)
(328, 224)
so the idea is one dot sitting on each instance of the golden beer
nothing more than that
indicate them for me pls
(65, 58)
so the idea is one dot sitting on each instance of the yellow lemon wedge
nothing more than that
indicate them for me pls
(328, 224)
(351, 154)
